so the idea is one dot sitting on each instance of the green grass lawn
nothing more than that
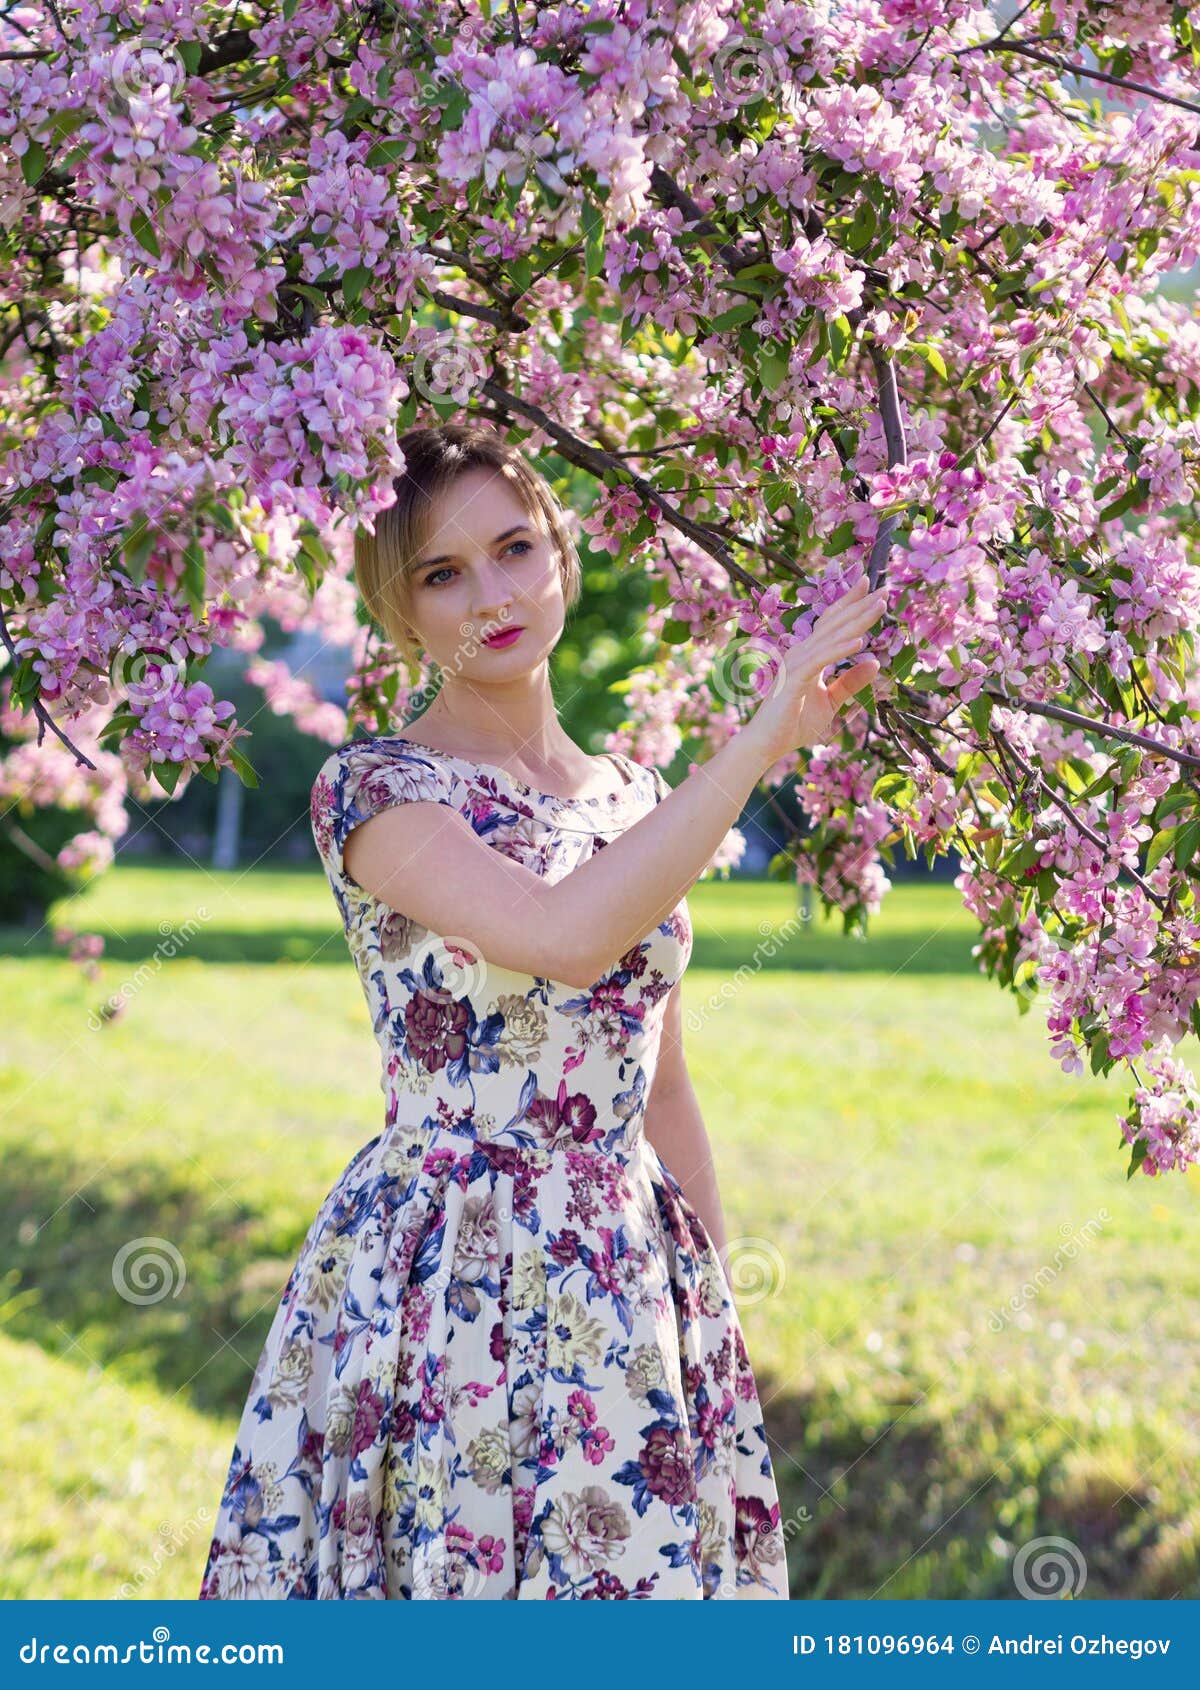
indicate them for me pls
(974, 1331)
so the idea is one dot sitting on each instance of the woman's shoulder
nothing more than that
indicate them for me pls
(365, 775)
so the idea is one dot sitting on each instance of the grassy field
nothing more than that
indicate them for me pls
(973, 1331)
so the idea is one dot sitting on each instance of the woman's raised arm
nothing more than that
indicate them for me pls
(425, 860)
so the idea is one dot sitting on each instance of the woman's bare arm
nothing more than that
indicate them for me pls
(425, 860)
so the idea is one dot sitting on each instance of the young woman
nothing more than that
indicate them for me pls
(507, 1363)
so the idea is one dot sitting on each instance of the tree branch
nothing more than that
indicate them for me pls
(999, 45)
(1041, 784)
(1073, 718)
(44, 718)
(596, 461)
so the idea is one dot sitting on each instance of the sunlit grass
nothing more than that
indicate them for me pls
(969, 1329)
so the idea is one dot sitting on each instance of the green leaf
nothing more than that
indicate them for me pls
(1186, 843)
(676, 633)
(1133, 496)
(840, 539)
(862, 231)
(1168, 806)
(137, 546)
(840, 337)
(354, 281)
(64, 123)
(980, 711)
(312, 545)
(592, 218)
(773, 368)
(387, 152)
(194, 574)
(934, 359)
(1159, 846)
(243, 766)
(119, 722)
(26, 681)
(1141, 1148)
(1099, 1051)
(736, 315)
(142, 231)
(313, 295)
(888, 786)
(33, 163)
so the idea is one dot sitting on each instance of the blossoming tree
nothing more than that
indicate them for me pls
(808, 290)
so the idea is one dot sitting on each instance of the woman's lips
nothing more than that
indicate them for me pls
(506, 638)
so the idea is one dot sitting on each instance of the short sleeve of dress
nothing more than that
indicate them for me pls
(359, 780)
(662, 787)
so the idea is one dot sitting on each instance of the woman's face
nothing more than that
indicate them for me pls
(485, 568)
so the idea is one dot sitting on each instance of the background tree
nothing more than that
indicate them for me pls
(801, 291)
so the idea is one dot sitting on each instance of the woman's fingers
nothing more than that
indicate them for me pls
(853, 619)
(818, 652)
(852, 680)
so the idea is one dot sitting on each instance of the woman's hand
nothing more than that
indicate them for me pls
(802, 708)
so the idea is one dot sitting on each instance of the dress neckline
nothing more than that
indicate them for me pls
(606, 798)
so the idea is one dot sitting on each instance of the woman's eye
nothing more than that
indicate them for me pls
(431, 580)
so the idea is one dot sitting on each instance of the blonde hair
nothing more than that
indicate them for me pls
(434, 460)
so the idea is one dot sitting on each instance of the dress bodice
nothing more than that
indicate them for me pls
(480, 1050)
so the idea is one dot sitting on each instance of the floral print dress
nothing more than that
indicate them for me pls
(506, 1363)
